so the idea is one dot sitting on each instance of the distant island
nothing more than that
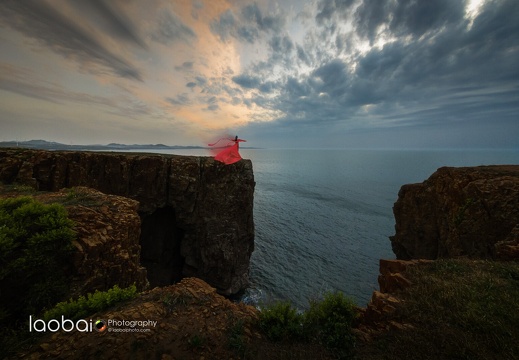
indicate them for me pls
(51, 145)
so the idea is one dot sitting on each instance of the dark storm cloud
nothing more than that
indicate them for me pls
(170, 29)
(401, 17)
(417, 17)
(247, 26)
(331, 78)
(439, 69)
(42, 22)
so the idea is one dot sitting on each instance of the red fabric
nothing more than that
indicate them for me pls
(230, 154)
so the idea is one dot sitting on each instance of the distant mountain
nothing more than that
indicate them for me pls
(50, 145)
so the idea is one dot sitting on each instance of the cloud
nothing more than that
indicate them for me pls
(25, 82)
(327, 8)
(249, 82)
(248, 26)
(113, 19)
(170, 29)
(281, 44)
(252, 14)
(44, 23)
(212, 104)
(441, 72)
(224, 26)
(179, 100)
(417, 17)
(324, 66)
(197, 6)
(186, 66)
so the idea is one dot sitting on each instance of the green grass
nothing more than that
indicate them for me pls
(459, 309)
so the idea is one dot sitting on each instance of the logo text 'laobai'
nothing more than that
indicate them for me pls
(99, 325)
(66, 325)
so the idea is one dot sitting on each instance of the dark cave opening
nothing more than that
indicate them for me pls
(160, 242)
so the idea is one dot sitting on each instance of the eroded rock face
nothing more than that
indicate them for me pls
(467, 211)
(206, 204)
(106, 244)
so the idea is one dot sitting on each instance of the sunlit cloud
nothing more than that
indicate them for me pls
(172, 72)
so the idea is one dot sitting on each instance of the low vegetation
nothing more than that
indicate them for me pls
(327, 322)
(90, 304)
(35, 241)
(457, 309)
(35, 248)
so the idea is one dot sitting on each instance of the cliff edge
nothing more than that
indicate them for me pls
(196, 213)
(466, 211)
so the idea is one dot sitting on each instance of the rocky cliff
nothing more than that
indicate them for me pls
(196, 213)
(467, 211)
(106, 244)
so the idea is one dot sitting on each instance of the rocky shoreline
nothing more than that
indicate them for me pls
(123, 202)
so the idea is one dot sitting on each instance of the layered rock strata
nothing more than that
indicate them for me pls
(466, 211)
(196, 213)
(376, 317)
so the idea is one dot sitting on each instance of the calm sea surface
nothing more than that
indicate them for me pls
(323, 217)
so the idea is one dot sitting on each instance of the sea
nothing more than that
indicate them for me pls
(323, 217)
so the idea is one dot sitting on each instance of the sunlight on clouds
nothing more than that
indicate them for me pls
(176, 71)
(472, 10)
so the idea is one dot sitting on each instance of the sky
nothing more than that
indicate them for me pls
(280, 74)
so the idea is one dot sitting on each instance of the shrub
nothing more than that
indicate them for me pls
(35, 247)
(330, 322)
(92, 303)
(280, 321)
